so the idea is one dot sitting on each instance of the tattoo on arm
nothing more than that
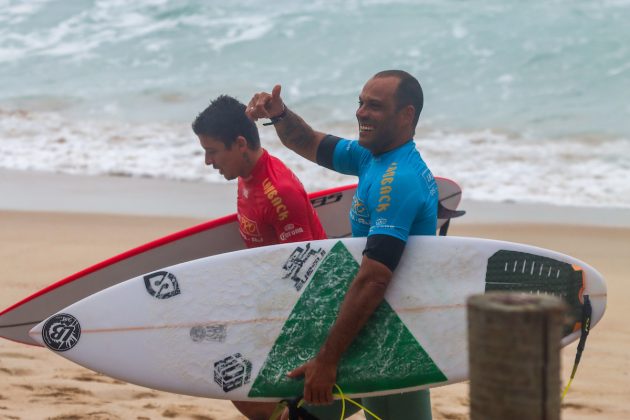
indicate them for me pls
(297, 135)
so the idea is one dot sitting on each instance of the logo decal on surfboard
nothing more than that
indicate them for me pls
(301, 264)
(232, 372)
(61, 332)
(161, 285)
(216, 332)
(328, 199)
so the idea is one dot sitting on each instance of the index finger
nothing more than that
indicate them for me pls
(260, 107)
(253, 111)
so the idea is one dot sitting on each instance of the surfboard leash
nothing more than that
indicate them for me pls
(585, 328)
(343, 404)
(277, 412)
(296, 411)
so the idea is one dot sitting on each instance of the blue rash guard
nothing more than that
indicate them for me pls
(397, 194)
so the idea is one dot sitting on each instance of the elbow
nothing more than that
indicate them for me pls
(374, 278)
(375, 285)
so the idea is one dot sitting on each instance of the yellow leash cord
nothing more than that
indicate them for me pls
(343, 404)
(277, 412)
(586, 325)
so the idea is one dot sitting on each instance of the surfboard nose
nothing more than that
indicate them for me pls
(60, 332)
(35, 333)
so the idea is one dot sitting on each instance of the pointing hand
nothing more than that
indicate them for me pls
(265, 105)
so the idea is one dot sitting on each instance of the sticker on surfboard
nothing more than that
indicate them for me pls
(301, 264)
(61, 332)
(232, 372)
(161, 285)
(216, 332)
(327, 199)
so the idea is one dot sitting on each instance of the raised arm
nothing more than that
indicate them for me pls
(292, 130)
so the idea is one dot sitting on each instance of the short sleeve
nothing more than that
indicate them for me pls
(349, 157)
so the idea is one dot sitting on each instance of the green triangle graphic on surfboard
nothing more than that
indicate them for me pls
(384, 355)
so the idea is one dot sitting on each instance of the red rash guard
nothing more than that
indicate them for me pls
(273, 208)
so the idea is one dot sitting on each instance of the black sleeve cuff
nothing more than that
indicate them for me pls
(326, 151)
(384, 249)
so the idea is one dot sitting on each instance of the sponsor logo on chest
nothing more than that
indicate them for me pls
(290, 230)
(248, 227)
(274, 198)
(431, 184)
(359, 212)
(384, 197)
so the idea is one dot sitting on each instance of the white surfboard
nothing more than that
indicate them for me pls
(231, 326)
(210, 238)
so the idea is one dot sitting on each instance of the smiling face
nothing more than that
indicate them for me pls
(230, 162)
(382, 126)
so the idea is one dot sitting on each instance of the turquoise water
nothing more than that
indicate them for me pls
(546, 78)
(549, 66)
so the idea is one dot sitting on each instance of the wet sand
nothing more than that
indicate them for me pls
(40, 247)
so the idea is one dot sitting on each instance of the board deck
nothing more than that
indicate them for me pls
(209, 238)
(231, 326)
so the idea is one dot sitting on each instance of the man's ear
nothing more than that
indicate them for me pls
(409, 112)
(241, 143)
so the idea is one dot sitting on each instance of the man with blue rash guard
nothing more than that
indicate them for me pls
(396, 197)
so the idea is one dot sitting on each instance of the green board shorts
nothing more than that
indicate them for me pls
(415, 405)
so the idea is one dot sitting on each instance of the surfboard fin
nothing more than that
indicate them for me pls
(448, 214)
(296, 411)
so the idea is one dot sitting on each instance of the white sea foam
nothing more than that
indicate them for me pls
(110, 86)
(489, 165)
(18, 12)
(235, 30)
(459, 31)
(539, 65)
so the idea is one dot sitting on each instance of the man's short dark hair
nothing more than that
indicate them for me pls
(225, 120)
(409, 91)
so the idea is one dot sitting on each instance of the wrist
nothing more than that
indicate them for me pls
(279, 117)
(327, 356)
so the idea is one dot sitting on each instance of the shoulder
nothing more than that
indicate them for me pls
(407, 178)
(281, 180)
(277, 170)
(350, 156)
(413, 167)
(351, 146)
(276, 164)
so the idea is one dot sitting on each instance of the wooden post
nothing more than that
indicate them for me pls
(514, 356)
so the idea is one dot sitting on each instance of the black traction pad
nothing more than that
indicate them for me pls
(522, 272)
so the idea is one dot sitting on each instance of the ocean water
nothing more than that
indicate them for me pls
(524, 101)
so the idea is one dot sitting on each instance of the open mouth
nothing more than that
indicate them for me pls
(365, 128)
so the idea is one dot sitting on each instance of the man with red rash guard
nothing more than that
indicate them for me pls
(272, 206)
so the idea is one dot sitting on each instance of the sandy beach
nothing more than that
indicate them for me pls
(57, 231)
